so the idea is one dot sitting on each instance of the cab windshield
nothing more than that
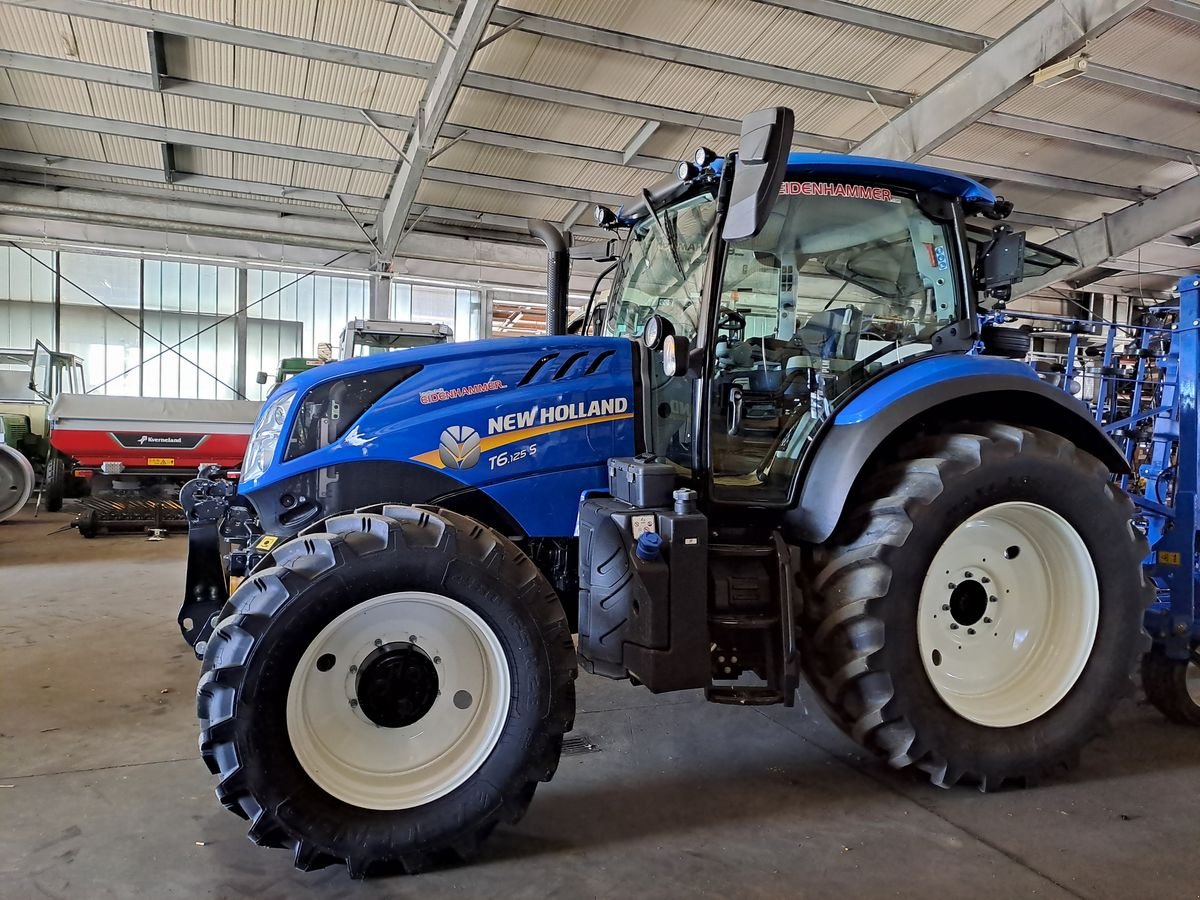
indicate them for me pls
(663, 270)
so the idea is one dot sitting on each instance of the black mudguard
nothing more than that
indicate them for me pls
(844, 450)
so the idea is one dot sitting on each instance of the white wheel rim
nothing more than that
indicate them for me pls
(355, 759)
(1008, 614)
(1191, 681)
(16, 481)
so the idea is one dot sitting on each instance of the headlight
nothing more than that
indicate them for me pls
(265, 438)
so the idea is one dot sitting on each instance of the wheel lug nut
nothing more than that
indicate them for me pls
(992, 599)
(412, 638)
(985, 580)
(945, 607)
(378, 642)
(968, 575)
(970, 631)
(353, 669)
(952, 585)
(987, 621)
(954, 626)
(353, 704)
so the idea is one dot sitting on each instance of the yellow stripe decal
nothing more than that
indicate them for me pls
(512, 437)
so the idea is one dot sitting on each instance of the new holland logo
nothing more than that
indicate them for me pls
(459, 447)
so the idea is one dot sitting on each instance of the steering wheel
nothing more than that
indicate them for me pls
(730, 319)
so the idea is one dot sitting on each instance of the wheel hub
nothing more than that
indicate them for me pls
(968, 602)
(397, 685)
(1008, 614)
(398, 700)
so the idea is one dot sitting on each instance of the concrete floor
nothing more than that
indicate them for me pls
(102, 793)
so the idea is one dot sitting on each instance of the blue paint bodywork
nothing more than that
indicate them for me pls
(869, 168)
(400, 427)
(918, 376)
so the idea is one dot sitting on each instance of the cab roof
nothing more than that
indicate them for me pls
(869, 168)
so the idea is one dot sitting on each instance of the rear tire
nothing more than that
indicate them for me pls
(307, 743)
(1035, 678)
(54, 484)
(1172, 686)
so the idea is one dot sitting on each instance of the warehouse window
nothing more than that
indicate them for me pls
(459, 308)
(26, 297)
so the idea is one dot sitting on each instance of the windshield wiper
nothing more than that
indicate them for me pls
(667, 239)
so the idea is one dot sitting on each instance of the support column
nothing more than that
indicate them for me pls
(243, 329)
(381, 296)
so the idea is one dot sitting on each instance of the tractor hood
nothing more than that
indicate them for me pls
(474, 416)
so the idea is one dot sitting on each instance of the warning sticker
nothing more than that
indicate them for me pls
(831, 189)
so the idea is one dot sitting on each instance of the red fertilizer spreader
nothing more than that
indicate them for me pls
(136, 452)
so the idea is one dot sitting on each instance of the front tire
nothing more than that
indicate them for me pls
(382, 694)
(978, 611)
(54, 484)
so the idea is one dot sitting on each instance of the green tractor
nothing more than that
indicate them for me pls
(29, 382)
(363, 337)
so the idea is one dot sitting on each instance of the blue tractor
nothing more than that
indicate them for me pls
(790, 451)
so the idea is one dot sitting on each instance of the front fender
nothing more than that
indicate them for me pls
(938, 389)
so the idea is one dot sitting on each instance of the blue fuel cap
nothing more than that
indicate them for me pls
(649, 546)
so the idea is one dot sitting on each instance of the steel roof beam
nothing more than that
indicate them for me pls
(191, 138)
(888, 23)
(1180, 9)
(666, 51)
(190, 26)
(1038, 179)
(1180, 93)
(139, 80)
(42, 163)
(520, 186)
(1090, 137)
(1058, 27)
(453, 61)
(1122, 232)
(515, 87)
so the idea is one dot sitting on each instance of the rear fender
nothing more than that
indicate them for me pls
(922, 395)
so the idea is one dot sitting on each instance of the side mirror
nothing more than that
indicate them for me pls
(260, 378)
(1001, 263)
(759, 171)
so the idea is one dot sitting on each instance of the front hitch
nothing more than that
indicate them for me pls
(205, 500)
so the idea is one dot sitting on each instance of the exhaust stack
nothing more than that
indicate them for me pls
(558, 271)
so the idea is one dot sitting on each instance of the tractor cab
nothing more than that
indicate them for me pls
(761, 324)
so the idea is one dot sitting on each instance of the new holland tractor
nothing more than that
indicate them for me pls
(792, 452)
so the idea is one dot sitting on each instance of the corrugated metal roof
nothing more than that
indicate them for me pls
(48, 92)
(326, 134)
(247, 167)
(7, 93)
(1151, 42)
(200, 60)
(322, 178)
(16, 136)
(67, 142)
(294, 17)
(131, 151)
(108, 44)
(368, 184)
(114, 102)
(193, 114)
(1020, 150)
(213, 10)
(203, 161)
(272, 73)
(34, 31)
(266, 125)
(368, 27)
